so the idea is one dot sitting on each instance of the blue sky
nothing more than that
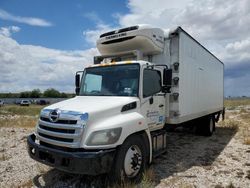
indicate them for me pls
(68, 20)
(44, 42)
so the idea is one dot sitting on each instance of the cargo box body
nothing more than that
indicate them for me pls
(197, 87)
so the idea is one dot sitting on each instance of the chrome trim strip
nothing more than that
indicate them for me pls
(58, 143)
(61, 126)
(59, 135)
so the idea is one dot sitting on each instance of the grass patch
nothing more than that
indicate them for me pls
(27, 184)
(3, 157)
(19, 116)
(31, 110)
(231, 185)
(148, 181)
(245, 116)
(231, 124)
(243, 111)
(232, 103)
(19, 122)
(240, 124)
(247, 140)
(248, 174)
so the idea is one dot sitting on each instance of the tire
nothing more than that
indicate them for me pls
(205, 126)
(130, 161)
(209, 126)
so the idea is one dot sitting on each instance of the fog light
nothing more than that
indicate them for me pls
(33, 151)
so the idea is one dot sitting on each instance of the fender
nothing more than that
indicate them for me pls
(131, 122)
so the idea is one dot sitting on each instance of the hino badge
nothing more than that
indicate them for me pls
(144, 81)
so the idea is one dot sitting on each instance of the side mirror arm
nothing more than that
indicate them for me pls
(166, 89)
(77, 82)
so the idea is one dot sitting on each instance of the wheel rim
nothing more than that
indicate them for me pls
(211, 125)
(133, 161)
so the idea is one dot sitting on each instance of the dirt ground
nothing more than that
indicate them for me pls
(222, 160)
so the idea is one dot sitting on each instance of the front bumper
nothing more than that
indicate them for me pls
(86, 162)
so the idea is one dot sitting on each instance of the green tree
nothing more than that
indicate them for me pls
(64, 95)
(51, 92)
(25, 94)
(35, 93)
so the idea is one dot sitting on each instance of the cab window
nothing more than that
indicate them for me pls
(151, 82)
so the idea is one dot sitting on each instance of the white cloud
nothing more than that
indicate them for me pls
(8, 31)
(221, 26)
(238, 52)
(26, 20)
(208, 20)
(157, 13)
(91, 35)
(25, 67)
(239, 46)
(216, 19)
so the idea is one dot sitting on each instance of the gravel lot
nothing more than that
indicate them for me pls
(222, 160)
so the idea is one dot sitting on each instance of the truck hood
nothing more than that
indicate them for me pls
(93, 104)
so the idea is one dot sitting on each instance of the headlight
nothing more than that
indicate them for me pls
(104, 137)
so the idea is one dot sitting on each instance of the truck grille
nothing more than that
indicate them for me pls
(119, 31)
(61, 121)
(67, 131)
(56, 138)
(71, 131)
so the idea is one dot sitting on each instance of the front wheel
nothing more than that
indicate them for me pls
(130, 161)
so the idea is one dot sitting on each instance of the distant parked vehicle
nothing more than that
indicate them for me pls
(42, 102)
(1, 103)
(24, 103)
(17, 102)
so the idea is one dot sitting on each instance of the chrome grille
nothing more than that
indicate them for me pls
(56, 138)
(67, 131)
(62, 121)
(70, 131)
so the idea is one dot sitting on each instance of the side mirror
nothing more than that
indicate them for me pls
(77, 83)
(167, 80)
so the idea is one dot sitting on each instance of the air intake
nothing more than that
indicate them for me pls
(119, 31)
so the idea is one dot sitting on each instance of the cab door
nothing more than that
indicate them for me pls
(153, 100)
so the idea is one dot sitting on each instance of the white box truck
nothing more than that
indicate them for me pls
(144, 81)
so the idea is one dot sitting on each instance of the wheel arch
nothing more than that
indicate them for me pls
(145, 135)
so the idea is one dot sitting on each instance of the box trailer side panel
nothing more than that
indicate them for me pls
(200, 87)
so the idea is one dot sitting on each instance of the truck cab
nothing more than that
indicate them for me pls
(115, 105)
(124, 100)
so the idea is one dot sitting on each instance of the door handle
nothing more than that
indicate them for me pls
(161, 105)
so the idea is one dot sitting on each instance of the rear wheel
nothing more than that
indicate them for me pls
(205, 126)
(210, 126)
(130, 161)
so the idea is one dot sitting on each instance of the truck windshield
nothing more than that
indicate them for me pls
(115, 80)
